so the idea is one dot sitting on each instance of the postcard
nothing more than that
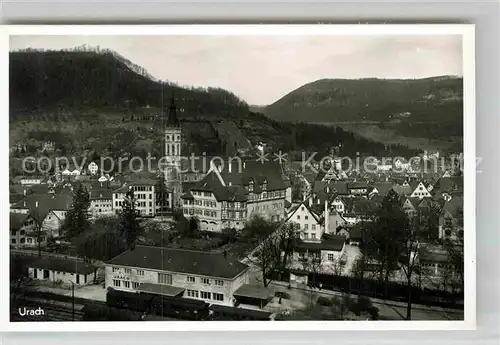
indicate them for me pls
(269, 177)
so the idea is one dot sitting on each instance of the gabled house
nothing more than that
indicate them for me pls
(21, 228)
(48, 209)
(420, 191)
(309, 220)
(101, 202)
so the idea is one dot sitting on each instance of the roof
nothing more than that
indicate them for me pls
(254, 291)
(101, 194)
(172, 120)
(383, 187)
(159, 289)
(312, 211)
(448, 184)
(64, 265)
(17, 220)
(334, 242)
(181, 261)
(212, 183)
(46, 203)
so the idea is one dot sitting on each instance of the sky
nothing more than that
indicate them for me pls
(262, 69)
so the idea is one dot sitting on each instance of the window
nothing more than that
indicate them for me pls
(306, 217)
(306, 226)
(128, 270)
(126, 284)
(205, 281)
(164, 278)
(302, 208)
(219, 282)
(116, 282)
(330, 257)
(298, 217)
(190, 279)
(205, 295)
(218, 297)
(306, 235)
(313, 227)
(116, 269)
(13, 241)
(135, 285)
(140, 272)
(192, 293)
(313, 236)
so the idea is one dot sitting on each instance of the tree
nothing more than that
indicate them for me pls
(414, 234)
(77, 218)
(194, 225)
(129, 227)
(274, 253)
(258, 228)
(103, 242)
(384, 237)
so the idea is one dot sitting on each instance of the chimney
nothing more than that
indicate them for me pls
(25, 204)
(244, 165)
(229, 167)
(327, 216)
(36, 204)
(303, 196)
(310, 202)
(24, 191)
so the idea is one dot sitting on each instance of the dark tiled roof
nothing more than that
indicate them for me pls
(181, 261)
(334, 242)
(383, 187)
(64, 265)
(101, 194)
(17, 220)
(46, 203)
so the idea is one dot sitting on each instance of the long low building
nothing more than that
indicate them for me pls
(211, 277)
(64, 271)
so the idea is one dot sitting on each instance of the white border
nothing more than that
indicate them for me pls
(467, 33)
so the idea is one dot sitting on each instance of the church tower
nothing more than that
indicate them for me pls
(173, 140)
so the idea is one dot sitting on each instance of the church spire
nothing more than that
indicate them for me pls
(172, 120)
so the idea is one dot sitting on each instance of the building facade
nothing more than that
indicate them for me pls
(210, 277)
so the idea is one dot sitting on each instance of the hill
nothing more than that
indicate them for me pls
(101, 79)
(95, 102)
(429, 108)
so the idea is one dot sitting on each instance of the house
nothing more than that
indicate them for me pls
(48, 209)
(228, 198)
(144, 195)
(309, 220)
(401, 164)
(338, 204)
(211, 277)
(451, 219)
(65, 271)
(21, 228)
(101, 202)
(323, 257)
(93, 168)
(420, 191)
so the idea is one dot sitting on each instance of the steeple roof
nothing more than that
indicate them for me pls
(172, 120)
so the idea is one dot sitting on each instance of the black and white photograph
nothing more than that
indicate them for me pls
(241, 174)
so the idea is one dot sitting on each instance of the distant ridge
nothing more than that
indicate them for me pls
(336, 100)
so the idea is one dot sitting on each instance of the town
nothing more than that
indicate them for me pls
(249, 237)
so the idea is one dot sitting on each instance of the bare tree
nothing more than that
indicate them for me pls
(274, 254)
